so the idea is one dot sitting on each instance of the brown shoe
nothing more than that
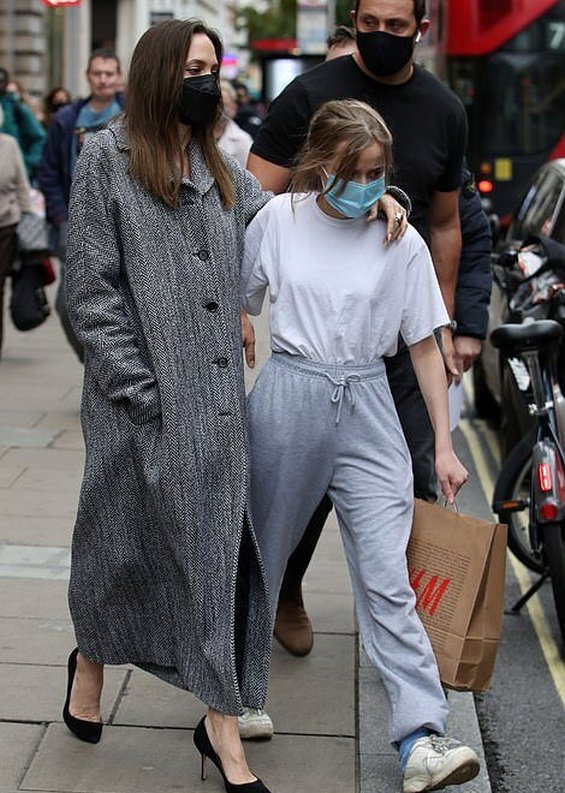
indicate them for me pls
(293, 629)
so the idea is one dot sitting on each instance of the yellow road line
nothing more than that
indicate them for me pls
(547, 643)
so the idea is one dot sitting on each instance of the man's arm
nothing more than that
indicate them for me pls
(474, 279)
(445, 232)
(270, 176)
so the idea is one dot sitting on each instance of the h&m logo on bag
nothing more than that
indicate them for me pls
(429, 589)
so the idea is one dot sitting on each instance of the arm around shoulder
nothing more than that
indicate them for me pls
(252, 196)
(271, 177)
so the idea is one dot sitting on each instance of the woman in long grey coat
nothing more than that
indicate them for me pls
(165, 567)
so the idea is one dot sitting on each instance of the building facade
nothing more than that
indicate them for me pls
(46, 46)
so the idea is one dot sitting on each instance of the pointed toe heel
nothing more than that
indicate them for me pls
(87, 731)
(203, 745)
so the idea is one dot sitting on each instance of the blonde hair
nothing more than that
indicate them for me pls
(337, 122)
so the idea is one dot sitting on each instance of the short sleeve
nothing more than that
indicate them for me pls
(424, 309)
(254, 280)
(282, 134)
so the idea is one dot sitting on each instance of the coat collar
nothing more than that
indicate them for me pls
(201, 178)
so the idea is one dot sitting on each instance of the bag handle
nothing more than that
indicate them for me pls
(447, 505)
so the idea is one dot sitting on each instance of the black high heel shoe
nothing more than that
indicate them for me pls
(202, 743)
(89, 731)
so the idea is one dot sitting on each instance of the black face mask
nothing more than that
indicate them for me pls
(54, 106)
(199, 99)
(384, 53)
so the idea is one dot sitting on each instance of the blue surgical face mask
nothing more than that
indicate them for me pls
(355, 199)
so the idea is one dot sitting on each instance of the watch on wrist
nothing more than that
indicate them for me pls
(452, 325)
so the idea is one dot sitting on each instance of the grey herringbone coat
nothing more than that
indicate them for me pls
(162, 521)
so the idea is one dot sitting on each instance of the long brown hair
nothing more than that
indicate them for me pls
(341, 121)
(153, 95)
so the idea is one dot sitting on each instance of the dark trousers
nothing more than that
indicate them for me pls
(8, 248)
(419, 435)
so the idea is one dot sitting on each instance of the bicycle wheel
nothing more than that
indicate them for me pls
(554, 544)
(513, 484)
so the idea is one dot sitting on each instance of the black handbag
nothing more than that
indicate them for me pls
(29, 306)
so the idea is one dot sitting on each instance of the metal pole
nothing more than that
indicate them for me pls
(78, 43)
(141, 18)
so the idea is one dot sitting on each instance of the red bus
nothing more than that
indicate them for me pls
(506, 61)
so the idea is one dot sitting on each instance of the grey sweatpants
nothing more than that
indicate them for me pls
(317, 428)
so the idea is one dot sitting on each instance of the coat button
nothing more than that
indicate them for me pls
(203, 255)
(222, 363)
(211, 306)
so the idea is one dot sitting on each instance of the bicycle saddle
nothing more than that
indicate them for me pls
(540, 335)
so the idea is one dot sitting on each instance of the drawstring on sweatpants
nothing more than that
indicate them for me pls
(339, 391)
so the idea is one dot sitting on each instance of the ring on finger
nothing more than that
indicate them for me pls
(398, 217)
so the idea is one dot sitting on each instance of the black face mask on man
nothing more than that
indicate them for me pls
(199, 99)
(384, 53)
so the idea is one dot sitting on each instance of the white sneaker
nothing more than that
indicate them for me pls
(255, 723)
(436, 762)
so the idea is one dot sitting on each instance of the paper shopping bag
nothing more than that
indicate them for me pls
(456, 565)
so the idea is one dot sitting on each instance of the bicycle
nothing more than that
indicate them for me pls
(530, 491)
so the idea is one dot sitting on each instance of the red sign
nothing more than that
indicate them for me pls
(60, 3)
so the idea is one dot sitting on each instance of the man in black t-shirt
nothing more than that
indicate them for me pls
(429, 129)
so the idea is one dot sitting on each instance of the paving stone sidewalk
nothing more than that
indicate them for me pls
(147, 740)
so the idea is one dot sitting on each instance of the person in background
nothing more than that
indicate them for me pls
(70, 128)
(57, 98)
(16, 88)
(229, 136)
(247, 116)
(428, 160)
(21, 124)
(341, 42)
(14, 199)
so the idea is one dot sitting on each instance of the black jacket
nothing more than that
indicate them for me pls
(474, 281)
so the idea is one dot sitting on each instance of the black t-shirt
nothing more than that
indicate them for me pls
(427, 121)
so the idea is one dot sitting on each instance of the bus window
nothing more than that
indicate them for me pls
(527, 98)
(516, 95)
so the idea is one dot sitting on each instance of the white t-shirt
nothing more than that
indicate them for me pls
(337, 294)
